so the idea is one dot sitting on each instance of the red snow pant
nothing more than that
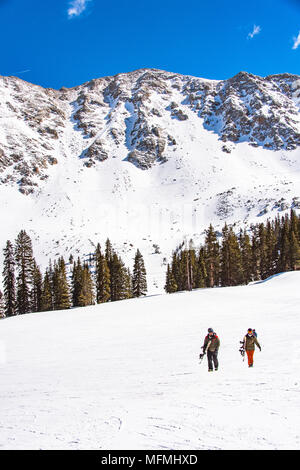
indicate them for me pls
(250, 357)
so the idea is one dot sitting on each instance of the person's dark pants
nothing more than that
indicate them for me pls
(212, 358)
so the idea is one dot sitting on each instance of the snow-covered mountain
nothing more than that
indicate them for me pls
(145, 158)
(125, 375)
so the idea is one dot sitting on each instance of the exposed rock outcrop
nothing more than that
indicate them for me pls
(134, 114)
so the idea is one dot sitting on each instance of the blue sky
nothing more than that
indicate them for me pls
(65, 43)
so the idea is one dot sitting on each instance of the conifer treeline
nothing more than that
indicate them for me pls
(102, 279)
(231, 260)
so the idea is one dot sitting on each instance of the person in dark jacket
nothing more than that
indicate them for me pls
(249, 343)
(211, 346)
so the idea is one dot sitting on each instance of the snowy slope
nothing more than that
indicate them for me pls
(125, 375)
(145, 158)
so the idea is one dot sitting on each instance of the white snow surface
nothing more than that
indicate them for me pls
(125, 375)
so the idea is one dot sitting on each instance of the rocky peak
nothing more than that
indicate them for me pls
(140, 116)
(259, 110)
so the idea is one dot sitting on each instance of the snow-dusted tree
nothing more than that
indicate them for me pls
(25, 269)
(2, 306)
(9, 280)
(139, 279)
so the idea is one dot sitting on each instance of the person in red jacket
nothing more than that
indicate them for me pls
(211, 345)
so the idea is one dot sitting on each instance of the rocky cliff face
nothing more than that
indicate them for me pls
(131, 115)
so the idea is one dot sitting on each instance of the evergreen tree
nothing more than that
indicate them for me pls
(61, 291)
(102, 276)
(295, 224)
(236, 260)
(170, 285)
(182, 261)
(190, 262)
(109, 252)
(37, 289)
(187, 268)
(86, 293)
(2, 306)
(294, 251)
(212, 257)
(231, 260)
(201, 274)
(271, 248)
(139, 281)
(225, 260)
(9, 280)
(117, 278)
(270, 251)
(246, 254)
(47, 295)
(285, 251)
(255, 253)
(25, 269)
(175, 269)
(262, 246)
(128, 288)
(294, 240)
(76, 282)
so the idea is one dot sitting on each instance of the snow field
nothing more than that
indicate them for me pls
(125, 375)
